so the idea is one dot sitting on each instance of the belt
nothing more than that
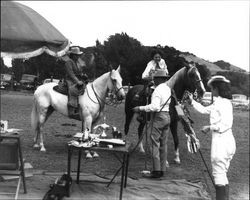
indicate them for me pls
(220, 132)
(162, 111)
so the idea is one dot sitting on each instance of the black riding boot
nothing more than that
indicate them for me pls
(227, 192)
(220, 192)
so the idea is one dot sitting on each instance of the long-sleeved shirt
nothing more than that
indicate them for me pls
(221, 114)
(73, 71)
(160, 96)
(152, 67)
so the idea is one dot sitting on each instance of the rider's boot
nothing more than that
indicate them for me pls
(73, 112)
(72, 106)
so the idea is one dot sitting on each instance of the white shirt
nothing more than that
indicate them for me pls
(221, 114)
(161, 94)
(151, 68)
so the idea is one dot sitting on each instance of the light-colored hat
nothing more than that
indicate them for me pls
(161, 74)
(217, 78)
(75, 50)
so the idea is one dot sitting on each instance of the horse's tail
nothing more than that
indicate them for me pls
(34, 115)
(129, 113)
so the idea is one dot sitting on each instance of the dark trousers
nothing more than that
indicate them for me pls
(72, 94)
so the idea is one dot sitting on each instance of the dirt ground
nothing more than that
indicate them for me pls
(58, 130)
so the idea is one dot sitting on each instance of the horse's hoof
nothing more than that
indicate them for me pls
(167, 164)
(103, 135)
(43, 149)
(177, 161)
(89, 156)
(36, 146)
(95, 155)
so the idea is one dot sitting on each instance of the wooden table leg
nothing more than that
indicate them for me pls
(122, 177)
(22, 165)
(79, 165)
(114, 176)
(69, 167)
(126, 170)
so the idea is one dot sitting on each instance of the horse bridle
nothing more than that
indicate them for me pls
(114, 85)
(99, 99)
(196, 82)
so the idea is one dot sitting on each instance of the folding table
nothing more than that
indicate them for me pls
(11, 160)
(124, 150)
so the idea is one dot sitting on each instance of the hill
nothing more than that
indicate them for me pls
(227, 66)
(214, 67)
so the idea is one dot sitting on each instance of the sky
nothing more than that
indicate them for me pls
(212, 30)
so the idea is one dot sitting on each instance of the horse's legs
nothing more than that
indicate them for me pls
(47, 111)
(129, 115)
(173, 127)
(35, 124)
(87, 126)
(140, 134)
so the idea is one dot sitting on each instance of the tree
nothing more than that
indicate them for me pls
(239, 81)
(43, 66)
(120, 49)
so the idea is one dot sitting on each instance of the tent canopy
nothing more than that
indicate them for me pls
(25, 33)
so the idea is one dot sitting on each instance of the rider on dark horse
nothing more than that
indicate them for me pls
(157, 63)
(75, 78)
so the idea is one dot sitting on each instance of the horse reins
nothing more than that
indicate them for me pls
(116, 92)
(99, 99)
(201, 155)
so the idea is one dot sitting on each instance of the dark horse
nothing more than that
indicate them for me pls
(187, 78)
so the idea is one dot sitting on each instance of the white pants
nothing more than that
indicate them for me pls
(222, 150)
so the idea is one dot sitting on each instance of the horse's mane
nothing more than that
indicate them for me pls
(98, 79)
(174, 79)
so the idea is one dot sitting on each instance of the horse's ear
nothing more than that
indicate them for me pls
(110, 67)
(119, 69)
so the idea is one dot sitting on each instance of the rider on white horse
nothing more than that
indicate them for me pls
(92, 102)
(73, 78)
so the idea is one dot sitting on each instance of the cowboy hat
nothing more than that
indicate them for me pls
(76, 50)
(217, 78)
(161, 74)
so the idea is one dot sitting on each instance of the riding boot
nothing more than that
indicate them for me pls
(71, 110)
(220, 192)
(227, 192)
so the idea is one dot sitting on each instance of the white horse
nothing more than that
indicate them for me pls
(92, 102)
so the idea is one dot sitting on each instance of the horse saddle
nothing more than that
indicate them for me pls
(142, 96)
(61, 87)
(74, 89)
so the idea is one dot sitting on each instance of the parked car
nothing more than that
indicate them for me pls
(240, 100)
(207, 98)
(29, 82)
(49, 80)
(6, 81)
